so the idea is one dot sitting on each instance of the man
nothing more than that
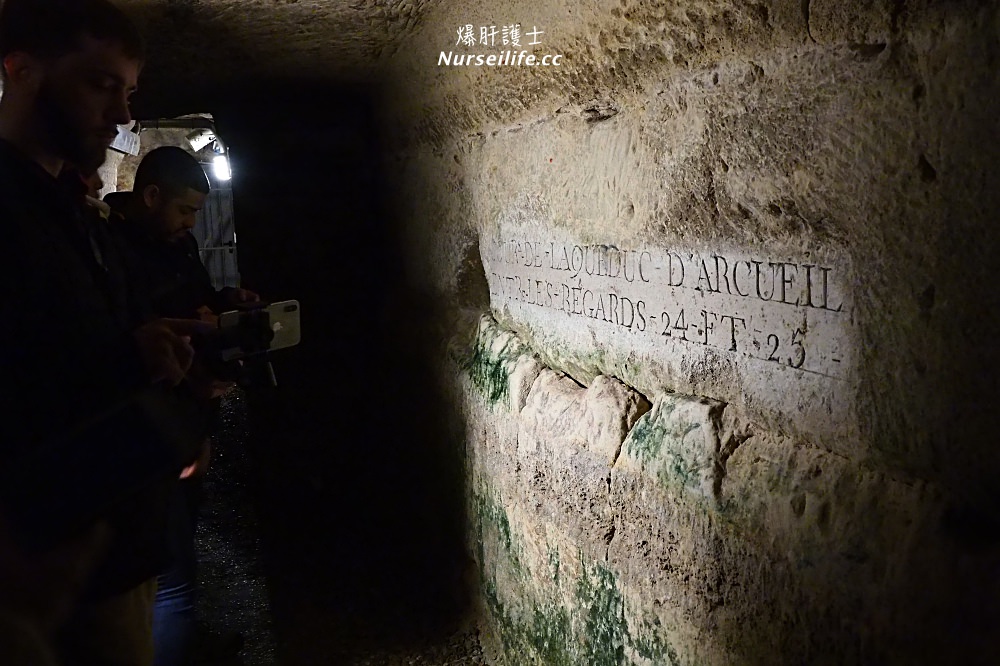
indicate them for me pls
(154, 223)
(72, 346)
(170, 188)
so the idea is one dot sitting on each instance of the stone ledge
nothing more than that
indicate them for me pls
(678, 443)
(500, 365)
(561, 413)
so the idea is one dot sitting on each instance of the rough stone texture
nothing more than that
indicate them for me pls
(678, 442)
(858, 132)
(705, 542)
(794, 562)
(855, 133)
(568, 438)
(238, 41)
(563, 414)
(502, 368)
(539, 481)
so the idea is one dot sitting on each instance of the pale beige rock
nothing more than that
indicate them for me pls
(848, 525)
(561, 413)
(522, 378)
(568, 438)
(678, 443)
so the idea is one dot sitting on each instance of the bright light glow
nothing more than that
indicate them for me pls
(221, 164)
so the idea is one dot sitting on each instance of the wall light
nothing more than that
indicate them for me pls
(221, 166)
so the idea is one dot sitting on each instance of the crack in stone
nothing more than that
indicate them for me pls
(731, 435)
(805, 13)
(599, 111)
(610, 537)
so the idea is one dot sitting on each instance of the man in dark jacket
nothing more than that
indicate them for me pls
(73, 349)
(153, 223)
(155, 219)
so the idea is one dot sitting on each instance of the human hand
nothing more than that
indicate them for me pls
(206, 315)
(235, 296)
(199, 466)
(165, 347)
(204, 385)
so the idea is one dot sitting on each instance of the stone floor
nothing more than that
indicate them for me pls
(242, 587)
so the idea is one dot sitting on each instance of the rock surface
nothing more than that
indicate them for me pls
(843, 518)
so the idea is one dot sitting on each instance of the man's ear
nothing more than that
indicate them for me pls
(22, 69)
(150, 195)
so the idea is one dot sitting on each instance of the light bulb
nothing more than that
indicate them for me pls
(221, 165)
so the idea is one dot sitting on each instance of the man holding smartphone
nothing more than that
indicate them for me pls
(156, 219)
(153, 224)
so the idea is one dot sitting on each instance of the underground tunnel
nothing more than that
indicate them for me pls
(677, 349)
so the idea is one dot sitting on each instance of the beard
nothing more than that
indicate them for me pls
(63, 131)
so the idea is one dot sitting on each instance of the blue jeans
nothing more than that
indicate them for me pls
(173, 611)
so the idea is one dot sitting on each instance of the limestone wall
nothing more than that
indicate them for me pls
(719, 294)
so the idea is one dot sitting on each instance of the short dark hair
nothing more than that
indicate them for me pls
(53, 28)
(173, 170)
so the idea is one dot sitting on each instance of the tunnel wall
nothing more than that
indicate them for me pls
(799, 470)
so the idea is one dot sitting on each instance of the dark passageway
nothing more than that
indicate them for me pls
(316, 619)
(356, 483)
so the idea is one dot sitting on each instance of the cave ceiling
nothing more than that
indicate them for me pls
(200, 48)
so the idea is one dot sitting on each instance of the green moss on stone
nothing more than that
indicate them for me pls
(551, 636)
(605, 629)
(534, 626)
(488, 373)
(646, 438)
(491, 515)
(554, 564)
(650, 644)
(539, 634)
(659, 443)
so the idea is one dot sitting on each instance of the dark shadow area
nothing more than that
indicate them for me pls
(357, 484)
(233, 590)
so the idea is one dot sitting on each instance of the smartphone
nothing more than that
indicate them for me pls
(254, 330)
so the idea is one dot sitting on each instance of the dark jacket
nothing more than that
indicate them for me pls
(66, 315)
(171, 279)
(171, 275)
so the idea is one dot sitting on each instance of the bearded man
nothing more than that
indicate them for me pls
(73, 346)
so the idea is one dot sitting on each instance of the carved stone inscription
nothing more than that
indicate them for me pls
(771, 309)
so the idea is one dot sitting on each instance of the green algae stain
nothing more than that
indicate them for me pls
(646, 438)
(680, 468)
(541, 634)
(663, 448)
(491, 514)
(534, 626)
(650, 645)
(488, 373)
(605, 630)
(591, 632)
(554, 565)
(551, 636)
